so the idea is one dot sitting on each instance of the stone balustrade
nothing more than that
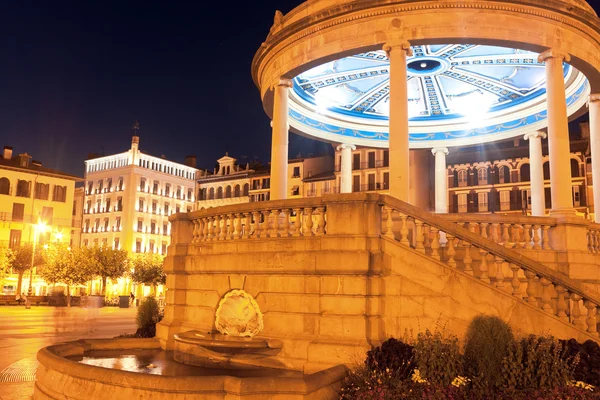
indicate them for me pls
(510, 231)
(260, 220)
(484, 250)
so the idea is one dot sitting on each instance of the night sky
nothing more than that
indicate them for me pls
(75, 76)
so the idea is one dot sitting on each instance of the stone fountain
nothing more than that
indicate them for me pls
(234, 362)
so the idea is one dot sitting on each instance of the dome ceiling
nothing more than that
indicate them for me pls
(457, 93)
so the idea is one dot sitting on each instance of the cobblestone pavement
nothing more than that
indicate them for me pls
(23, 332)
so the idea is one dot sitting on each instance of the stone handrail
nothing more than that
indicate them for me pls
(510, 231)
(272, 219)
(472, 254)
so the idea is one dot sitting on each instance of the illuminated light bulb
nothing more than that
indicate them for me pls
(423, 65)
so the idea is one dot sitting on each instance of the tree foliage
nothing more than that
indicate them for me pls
(21, 261)
(148, 269)
(67, 266)
(6, 259)
(106, 262)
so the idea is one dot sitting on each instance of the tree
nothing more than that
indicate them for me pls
(6, 259)
(67, 266)
(106, 262)
(148, 270)
(22, 261)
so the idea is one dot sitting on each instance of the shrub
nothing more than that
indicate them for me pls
(437, 357)
(147, 317)
(487, 341)
(588, 368)
(394, 356)
(537, 362)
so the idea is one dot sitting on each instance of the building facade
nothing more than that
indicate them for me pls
(36, 204)
(128, 198)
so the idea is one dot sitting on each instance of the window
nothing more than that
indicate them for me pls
(143, 185)
(106, 229)
(166, 208)
(356, 161)
(41, 191)
(178, 209)
(371, 159)
(189, 196)
(107, 207)
(153, 227)
(141, 205)
(15, 238)
(482, 176)
(99, 206)
(386, 180)
(178, 192)
(462, 178)
(164, 231)
(116, 244)
(140, 225)
(138, 246)
(356, 183)
(109, 184)
(236, 191)
(163, 248)
(386, 158)
(504, 200)
(154, 207)
(228, 192)
(59, 193)
(4, 186)
(118, 223)
(47, 213)
(96, 225)
(100, 186)
(462, 202)
(501, 175)
(90, 187)
(119, 204)
(151, 246)
(86, 226)
(482, 201)
(88, 206)
(246, 189)
(155, 187)
(120, 183)
(85, 242)
(18, 211)
(296, 173)
(74, 207)
(23, 188)
(167, 190)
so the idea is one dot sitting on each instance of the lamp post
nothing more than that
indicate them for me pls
(40, 226)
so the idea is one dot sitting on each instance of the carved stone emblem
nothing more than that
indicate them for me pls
(238, 314)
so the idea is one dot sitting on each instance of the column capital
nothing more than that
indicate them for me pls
(593, 98)
(534, 135)
(436, 150)
(554, 53)
(283, 82)
(397, 44)
(344, 146)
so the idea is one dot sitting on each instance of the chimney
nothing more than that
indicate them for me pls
(190, 161)
(24, 160)
(7, 153)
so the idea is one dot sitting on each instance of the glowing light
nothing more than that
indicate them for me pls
(423, 65)
(473, 106)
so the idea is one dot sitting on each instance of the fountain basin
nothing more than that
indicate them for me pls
(61, 375)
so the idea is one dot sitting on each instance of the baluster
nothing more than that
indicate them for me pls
(471, 226)
(451, 252)
(499, 273)
(514, 236)
(531, 298)
(545, 237)
(483, 268)
(426, 237)
(561, 304)
(496, 232)
(483, 230)
(321, 221)
(528, 243)
(515, 282)
(595, 241)
(404, 230)
(211, 229)
(275, 231)
(590, 237)
(264, 227)
(256, 224)
(506, 235)
(519, 236)
(435, 243)
(309, 222)
(389, 223)
(285, 226)
(247, 225)
(591, 318)
(578, 319)
(419, 228)
(217, 235)
(297, 225)
(195, 236)
(231, 228)
(536, 237)
(546, 295)
(237, 231)
(468, 260)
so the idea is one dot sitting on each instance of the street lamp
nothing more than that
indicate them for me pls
(39, 227)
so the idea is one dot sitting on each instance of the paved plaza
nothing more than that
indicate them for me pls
(23, 332)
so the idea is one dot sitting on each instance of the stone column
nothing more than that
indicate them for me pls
(346, 167)
(397, 50)
(279, 144)
(594, 105)
(536, 167)
(558, 133)
(441, 180)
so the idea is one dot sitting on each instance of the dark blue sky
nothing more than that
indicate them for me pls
(74, 77)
